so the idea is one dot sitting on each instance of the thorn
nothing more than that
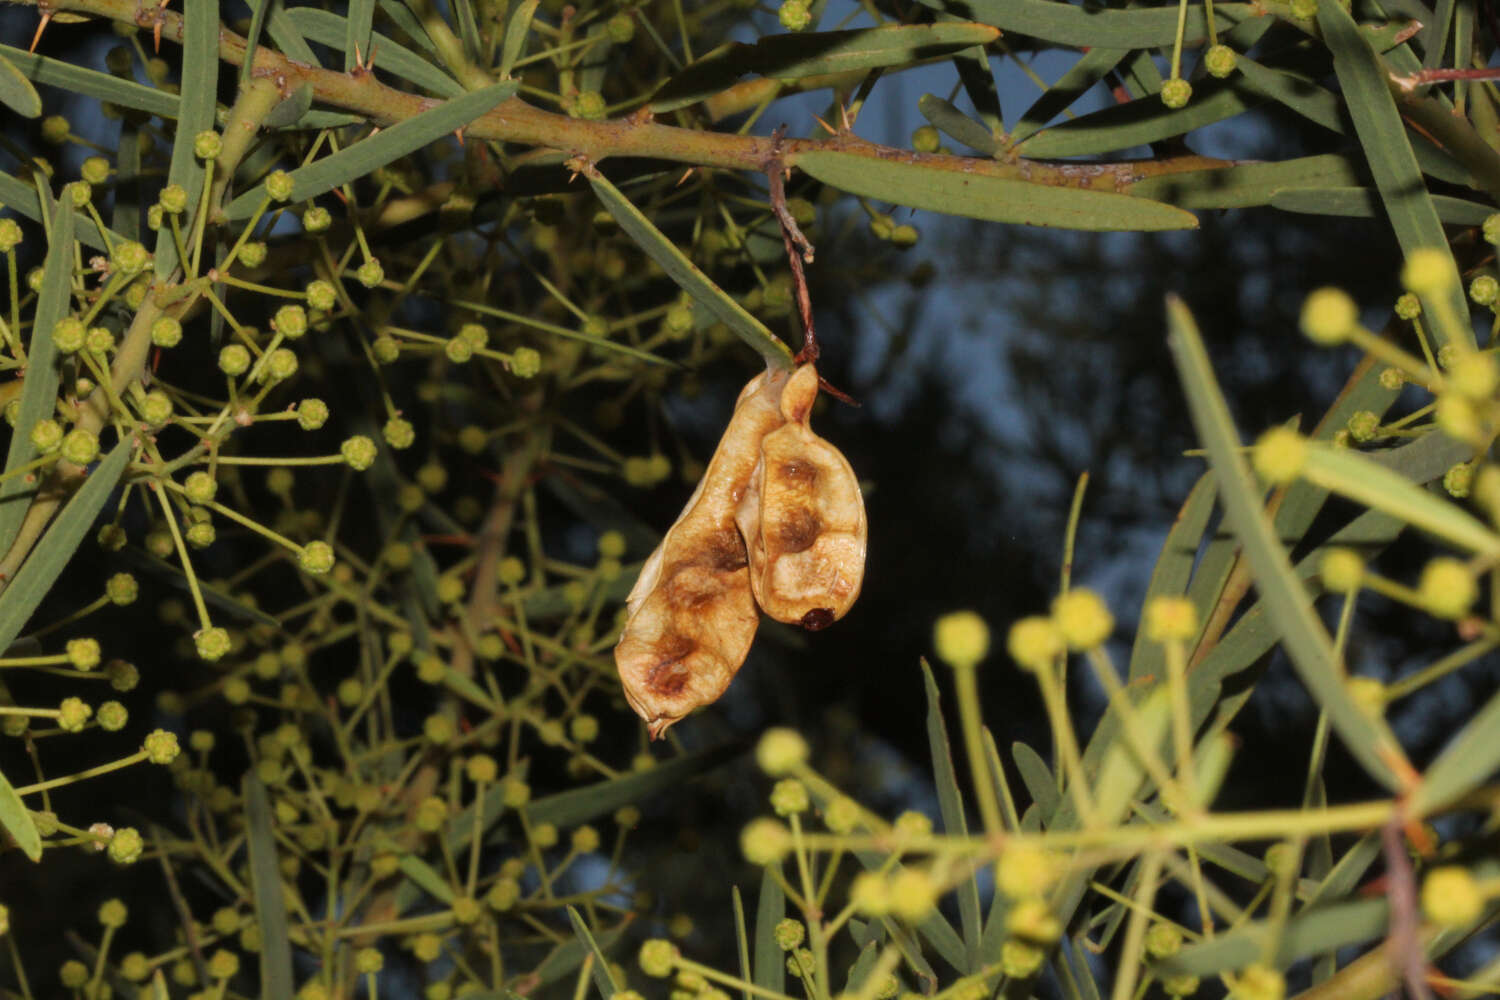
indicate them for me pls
(459, 132)
(359, 62)
(845, 120)
(826, 127)
(46, 20)
(161, 16)
(685, 175)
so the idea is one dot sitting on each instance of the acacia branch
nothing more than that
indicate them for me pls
(515, 121)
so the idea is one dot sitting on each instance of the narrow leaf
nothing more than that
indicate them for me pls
(516, 30)
(21, 197)
(16, 92)
(938, 185)
(200, 87)
(265, 893)
(1359, 202)
(1248, 184)
(291, 110)
(604, 979)
(1037, 777)
(357, 37)
(1073, 84)
(1174, 568)
(1312, 932)
(1306, 641)
(88, 82)
(770, 909)
(688, 276)
(570, 808)
(426, 877)
(951, 805)
(1139, 122)
(330, 29)
(1464, 764)
(364, 156)
(1368, 482)
(15, 819)
(286, 36)
(39, 390)
(789, 56)
(957, 125)
(1383, 136)
(404, 19)
(41, 568)
(258, 10)
(1088, 26)
(563, 960)
(742, 940)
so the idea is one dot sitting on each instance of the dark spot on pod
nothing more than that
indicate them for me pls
(669, 676)
(724, 551)
(797, 471)
(817, 619)
(798, 530)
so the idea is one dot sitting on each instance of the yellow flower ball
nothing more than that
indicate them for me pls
(961, 638)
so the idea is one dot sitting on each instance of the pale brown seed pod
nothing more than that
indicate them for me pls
(803, 518)
(691, 616)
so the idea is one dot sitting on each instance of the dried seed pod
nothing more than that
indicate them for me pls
(803, 518)
(691, 615)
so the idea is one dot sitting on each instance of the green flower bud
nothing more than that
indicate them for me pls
(55, 130)
(290, 321)
(1176, 93)
(173, 199)
(125, 846)
(253, 253)
(200, 487)
(281, 364)
(156, 408)
(458, 350)
(69, 335)
(387, 349)
(73, 715)
(316, 558)
(370, 273)
(207, 145)
(794, 15)
(657, 958)
(212, 643)
(620, 28)
(83, 654)
(1484, 289)
(316, 219)
(525, 362)
(80, 446)
(358, 452)
(166, 332)
(1219, 60)
(398, 433)
(129, 257)
(95, 170)
(122, 589)
(234, 360)
(279, 185)
(589, 105)
(47, 436)
(10, 235)
(112, 716)
(161, 747)
(312, 413)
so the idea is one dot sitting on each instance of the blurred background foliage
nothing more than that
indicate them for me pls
(994, 364)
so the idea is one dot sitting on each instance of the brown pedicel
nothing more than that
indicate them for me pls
(691, 616)
(803, 518)
(777, 520)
